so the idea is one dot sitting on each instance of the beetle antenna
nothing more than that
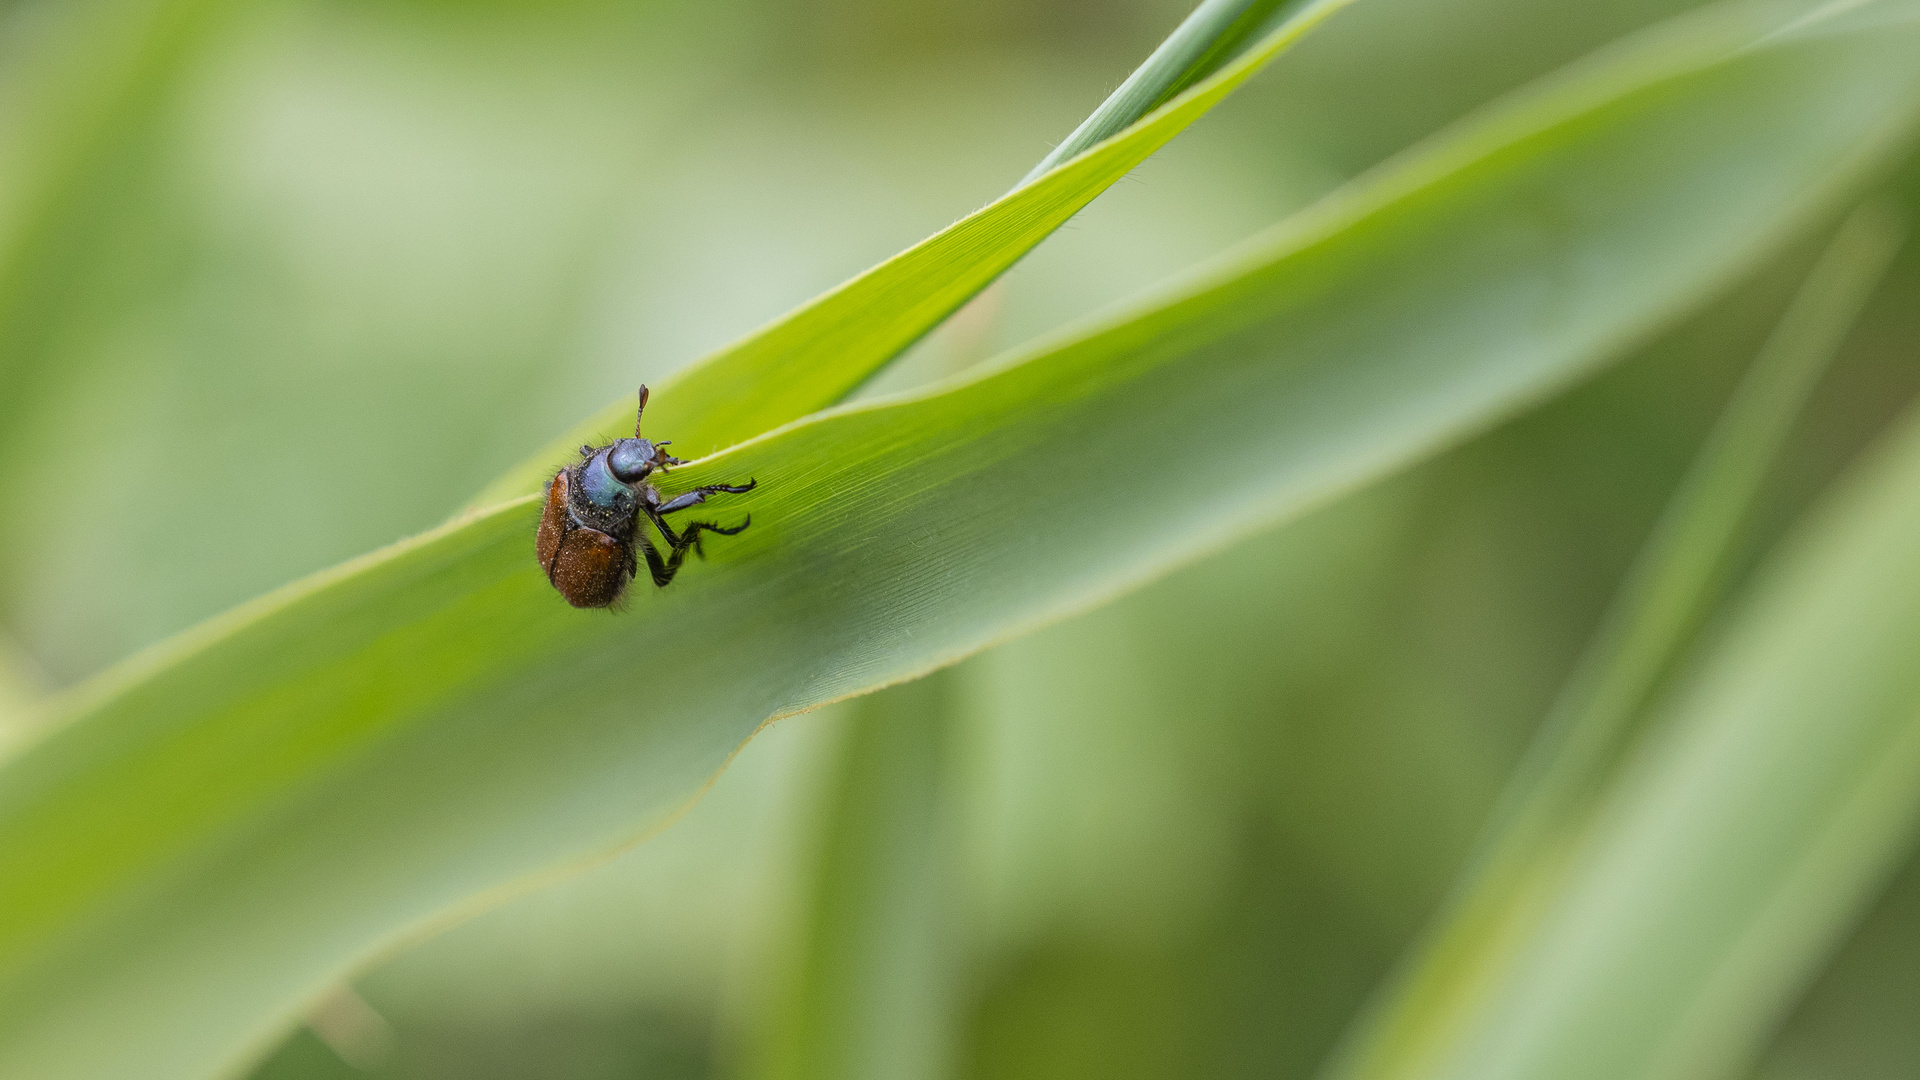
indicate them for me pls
(641, 411)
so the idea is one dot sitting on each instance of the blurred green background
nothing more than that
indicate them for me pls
(290, 280)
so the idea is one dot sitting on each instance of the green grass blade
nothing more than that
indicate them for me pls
(209, 836)
(1193, 50)
(872, 989)
(1752, 830)
(819, 353)
(1666, 594)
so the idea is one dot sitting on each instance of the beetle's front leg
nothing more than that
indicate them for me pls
(699, 495)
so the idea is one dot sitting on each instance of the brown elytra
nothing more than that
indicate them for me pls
(592, 568)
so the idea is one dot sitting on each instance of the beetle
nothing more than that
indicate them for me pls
(590, 530)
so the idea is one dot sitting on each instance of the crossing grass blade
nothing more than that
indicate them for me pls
(1670, 589)
(1189, 54)
(200, 842)
(816, 355)
(1777, 796)
(871, 988)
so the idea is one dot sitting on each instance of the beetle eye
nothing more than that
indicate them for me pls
(631, 459)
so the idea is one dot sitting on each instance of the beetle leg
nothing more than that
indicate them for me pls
(663, 569)
(692, 536)
(699, 495)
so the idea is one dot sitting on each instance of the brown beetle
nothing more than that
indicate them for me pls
(591, 527)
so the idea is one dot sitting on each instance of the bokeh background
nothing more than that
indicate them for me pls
(342, 262)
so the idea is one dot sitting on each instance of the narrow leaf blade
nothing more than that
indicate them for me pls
(1755, 827)
(819, 353)
(1670, 588)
